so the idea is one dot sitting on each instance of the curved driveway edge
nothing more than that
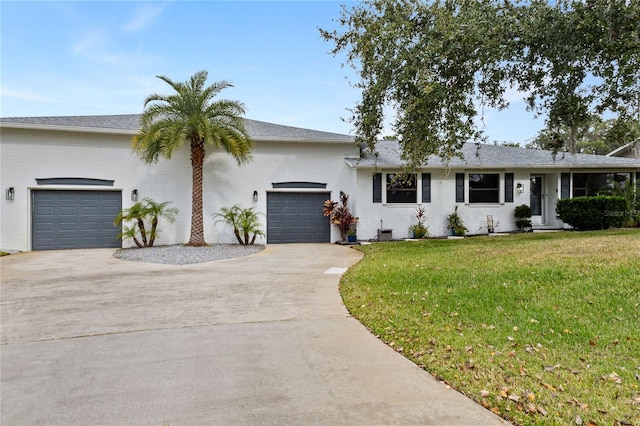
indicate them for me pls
(88, 339)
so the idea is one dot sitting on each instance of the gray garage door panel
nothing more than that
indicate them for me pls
(75, 219)
(296, 217)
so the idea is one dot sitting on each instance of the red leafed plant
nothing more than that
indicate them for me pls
(340, 215)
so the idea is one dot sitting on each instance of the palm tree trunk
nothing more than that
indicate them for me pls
(197, 225)
(152, 237)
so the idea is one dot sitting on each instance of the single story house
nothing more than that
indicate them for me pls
(65, 179)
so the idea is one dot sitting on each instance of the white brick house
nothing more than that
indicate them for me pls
(64, 179)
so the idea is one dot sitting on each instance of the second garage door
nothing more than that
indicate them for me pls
(75, 219)
(296, 217)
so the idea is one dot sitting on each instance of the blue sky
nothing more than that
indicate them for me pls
(90, 58)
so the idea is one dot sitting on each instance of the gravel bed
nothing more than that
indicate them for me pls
(183, 255)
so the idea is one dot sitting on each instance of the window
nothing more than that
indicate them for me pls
(588, 184)
(508, 187)
(484, 188)
(401, 188)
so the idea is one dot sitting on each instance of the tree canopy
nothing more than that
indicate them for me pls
(438, 64)
(596, 136)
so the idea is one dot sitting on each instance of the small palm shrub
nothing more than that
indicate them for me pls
(137, 214)
(245, 223)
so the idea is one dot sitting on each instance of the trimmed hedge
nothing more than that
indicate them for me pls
(591, 213)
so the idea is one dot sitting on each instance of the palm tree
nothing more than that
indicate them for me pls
(191, 115)
(244, 222)
(157, 210)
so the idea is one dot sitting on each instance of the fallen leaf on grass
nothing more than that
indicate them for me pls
(484, 393)
(613, 377)
(542, 410)
(514, 398)
(548, 386)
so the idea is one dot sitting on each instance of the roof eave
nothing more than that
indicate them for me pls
(302, 140)
(357, 165)
(77, 129)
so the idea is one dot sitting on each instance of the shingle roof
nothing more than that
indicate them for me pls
(129, 124)
(493, 156)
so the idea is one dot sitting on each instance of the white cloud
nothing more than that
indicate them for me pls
(25, 96)
(143, 16)
(89, 41)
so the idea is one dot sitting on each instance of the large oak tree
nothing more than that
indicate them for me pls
(437, 64)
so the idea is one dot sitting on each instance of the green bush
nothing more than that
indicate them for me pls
(523, 214)
(590, 213)
(245, 222)
(137, 214)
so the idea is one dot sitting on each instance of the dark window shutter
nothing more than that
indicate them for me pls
(426, 187)
(565, 185)
(377, 188)
(459, 187)
(508, 187)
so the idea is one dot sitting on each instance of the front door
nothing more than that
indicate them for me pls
(537, 199)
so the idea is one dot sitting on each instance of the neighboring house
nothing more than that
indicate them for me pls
(630, 150)
(489, 181)
(70, 176)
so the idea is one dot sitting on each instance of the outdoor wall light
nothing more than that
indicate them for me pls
(519, 188)
(255, 195)
(134, 195)
(10, 193)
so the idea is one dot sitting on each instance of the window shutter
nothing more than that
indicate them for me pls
(426, 187)
(459, 187)
(508, 187)
(377, 188)
(565, 185)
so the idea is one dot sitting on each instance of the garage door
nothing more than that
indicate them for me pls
(296, 217)
(75, 219)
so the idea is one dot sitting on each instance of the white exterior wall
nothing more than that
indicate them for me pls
(399, 217)
(274, 162)
(29, 154)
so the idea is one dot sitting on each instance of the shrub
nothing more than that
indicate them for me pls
(455, 223)
(245, 223)
(138, 213)
(522, 214)
(340, 215)
(590, 213)
(419, 230)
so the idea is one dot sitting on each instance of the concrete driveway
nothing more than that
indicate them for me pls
(88, 339)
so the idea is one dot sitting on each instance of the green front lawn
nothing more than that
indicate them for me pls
(539, 328)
